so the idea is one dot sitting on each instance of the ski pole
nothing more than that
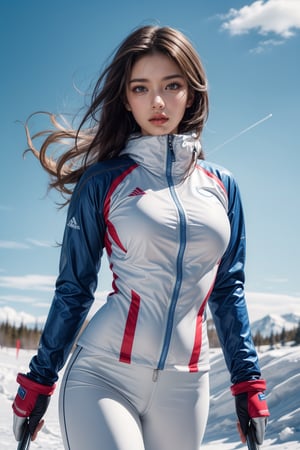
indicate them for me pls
(24, 443)
(251, 440)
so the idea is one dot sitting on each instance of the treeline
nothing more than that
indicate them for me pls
(19, 336)
(276, 339)
(28, 337)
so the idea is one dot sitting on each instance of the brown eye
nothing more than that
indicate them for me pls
(139, 89)
(173, 86)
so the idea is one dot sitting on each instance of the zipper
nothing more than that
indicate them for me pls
(182, 245)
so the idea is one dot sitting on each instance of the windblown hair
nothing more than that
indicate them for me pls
(107, 124)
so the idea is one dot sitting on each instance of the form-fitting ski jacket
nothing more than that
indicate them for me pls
(175, 241)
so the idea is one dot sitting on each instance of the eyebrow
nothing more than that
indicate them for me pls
(145, 80)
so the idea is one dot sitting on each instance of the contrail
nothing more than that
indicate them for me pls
(240, 133)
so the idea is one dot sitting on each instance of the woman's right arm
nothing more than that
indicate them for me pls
(80, 257)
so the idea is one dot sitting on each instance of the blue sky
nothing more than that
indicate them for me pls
(51, 51)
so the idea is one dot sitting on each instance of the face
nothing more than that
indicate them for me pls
(157, 95)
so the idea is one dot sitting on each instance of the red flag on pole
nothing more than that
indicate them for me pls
(18, 346)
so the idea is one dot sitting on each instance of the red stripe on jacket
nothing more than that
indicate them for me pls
(128, 337)
(193, 364)
(110, 230)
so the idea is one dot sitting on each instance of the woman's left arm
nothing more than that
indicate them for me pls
(229, 310)
(227, 301)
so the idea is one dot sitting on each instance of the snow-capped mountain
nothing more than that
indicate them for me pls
(275, 323)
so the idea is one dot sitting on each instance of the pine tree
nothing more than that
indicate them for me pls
(283, 336)
(297, 335)
(258, 340)
(272, 340)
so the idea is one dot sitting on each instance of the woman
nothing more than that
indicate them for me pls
(172, 227)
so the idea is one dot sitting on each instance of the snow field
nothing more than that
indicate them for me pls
(280, 367)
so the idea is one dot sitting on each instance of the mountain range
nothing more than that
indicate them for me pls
(265, 326)
(273, 323)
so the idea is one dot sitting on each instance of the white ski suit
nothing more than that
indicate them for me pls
(175, 240)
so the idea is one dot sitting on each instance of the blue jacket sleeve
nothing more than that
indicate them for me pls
(80, 257)
(227, 301)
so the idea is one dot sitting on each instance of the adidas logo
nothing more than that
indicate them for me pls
(73, 224)
(137, 191)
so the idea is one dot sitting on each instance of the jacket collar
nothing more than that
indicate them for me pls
(151, 152)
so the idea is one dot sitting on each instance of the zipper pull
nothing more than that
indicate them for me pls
(170, 146)
(155, 375)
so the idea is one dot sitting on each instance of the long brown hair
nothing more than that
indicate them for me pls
(107, 125)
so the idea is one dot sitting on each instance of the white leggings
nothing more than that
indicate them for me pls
(109, 405)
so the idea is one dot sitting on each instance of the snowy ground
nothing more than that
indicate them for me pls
(281, 368)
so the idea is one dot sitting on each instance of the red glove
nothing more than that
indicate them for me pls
(251, 407)
(31, 402)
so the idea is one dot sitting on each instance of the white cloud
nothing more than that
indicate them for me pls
(17, 317)
(280, 17)
(13, 245)
(31, 282)
(277, 280)
(43, 304)
(261, 304)
(15, 299)
(265, 45)
(38, 243)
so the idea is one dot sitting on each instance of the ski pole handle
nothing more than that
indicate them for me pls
(251, 441)
(24, 443)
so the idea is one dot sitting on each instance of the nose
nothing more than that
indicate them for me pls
(157, 102)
